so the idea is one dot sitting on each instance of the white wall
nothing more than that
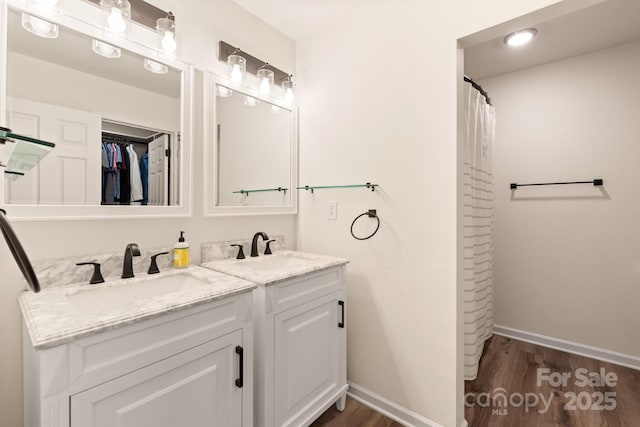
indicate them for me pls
(36, 80)
(566, 258)
(377, 95)
(201, 24)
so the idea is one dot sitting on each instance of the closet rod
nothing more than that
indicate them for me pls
(478, 88)
(596, 182)
(114, 137)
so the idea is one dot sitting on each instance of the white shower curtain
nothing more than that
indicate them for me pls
(477, 228)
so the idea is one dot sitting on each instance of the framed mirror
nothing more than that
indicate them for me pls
(250, 151)
(118, 113)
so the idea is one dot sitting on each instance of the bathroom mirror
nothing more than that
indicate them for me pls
(118, 113)
(251, 151)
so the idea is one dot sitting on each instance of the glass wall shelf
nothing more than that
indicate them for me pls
(22, 152)
(12, 176)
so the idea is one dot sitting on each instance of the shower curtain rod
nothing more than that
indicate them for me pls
(478, 88)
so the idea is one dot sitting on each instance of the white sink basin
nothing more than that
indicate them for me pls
(98, 299)
(274, 262)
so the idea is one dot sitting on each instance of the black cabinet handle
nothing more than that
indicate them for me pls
(240, 380)
(341, 323)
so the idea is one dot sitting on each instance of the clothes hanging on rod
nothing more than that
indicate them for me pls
(121, 181)
(144, 175)
(136, 178)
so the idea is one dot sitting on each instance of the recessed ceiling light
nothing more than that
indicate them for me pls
(520, 38)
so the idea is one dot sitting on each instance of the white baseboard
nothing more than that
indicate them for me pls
(570, 347)
(386, 407)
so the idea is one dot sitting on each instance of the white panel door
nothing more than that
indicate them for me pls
(71, 173)
(158, 173)
(307, 356)
(195, 388)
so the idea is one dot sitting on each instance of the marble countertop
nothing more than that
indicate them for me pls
(270, 269)
(53, 319)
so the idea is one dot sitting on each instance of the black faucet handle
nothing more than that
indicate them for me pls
(97, 275)
(240, 251)
(153, 268)
(267, 250)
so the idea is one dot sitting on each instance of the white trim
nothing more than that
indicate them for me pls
(388, 408)
(464, 423)
(570, 347)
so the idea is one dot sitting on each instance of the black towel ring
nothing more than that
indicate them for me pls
(371, 213)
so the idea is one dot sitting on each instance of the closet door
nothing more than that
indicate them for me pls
(71, 173)
(158, 171)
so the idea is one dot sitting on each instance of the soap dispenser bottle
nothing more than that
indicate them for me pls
(181, 253)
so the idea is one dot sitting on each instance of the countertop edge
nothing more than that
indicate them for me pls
(50, 342)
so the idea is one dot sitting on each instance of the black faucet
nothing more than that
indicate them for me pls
(254, 242)
(130, 251)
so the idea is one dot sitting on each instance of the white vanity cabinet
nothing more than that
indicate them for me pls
(187, 368)
(300, 348)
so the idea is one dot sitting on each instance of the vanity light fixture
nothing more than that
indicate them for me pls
(105, 49)
(520, 38)
(265, 79)
(155, 67)
(117, 16)
(265, 73)
(166, 28)
(223, 92)
(287, 87)
(39, 27)
(250, 101)
(237, 67)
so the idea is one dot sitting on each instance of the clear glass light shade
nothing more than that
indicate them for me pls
(166, 28)
(520, 38)
(237, 68)
(287, 87)
(39, 27)
(265, 80)
(117, 16)
(45, 7)
(223, 92)
(105, 49)
(250, 101)
(155, 67)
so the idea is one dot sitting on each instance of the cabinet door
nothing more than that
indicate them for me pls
(309, 352)
(195, 388)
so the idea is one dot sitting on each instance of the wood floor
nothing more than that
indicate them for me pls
(355, 414)
(513, 366)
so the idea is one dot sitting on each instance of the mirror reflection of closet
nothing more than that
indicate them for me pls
(145, 174)
(61, 91)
